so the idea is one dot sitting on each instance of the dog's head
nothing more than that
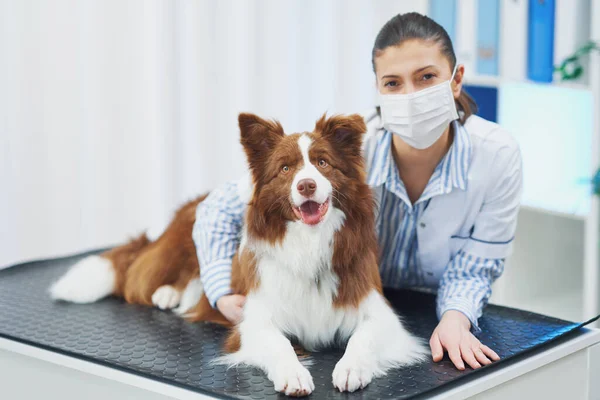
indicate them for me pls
(299, 178)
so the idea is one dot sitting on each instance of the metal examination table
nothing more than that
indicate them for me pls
(111, 350)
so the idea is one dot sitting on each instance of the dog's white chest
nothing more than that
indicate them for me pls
(304, 309)
(298, 285)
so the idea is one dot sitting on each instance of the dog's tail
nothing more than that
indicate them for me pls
(98, 276)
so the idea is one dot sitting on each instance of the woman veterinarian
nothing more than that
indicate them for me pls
(447, 182)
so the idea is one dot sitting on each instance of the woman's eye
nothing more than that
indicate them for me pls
(322, 163)
(285, 169)
(427, 77)
(391, 84)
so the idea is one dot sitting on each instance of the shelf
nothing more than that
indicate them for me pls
(572, 201)
(574, 216)
(483, 80)
(497, 81)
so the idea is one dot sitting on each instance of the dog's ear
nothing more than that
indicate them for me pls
(259, 137)
(345, 132)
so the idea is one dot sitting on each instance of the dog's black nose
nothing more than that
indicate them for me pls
(307, 187)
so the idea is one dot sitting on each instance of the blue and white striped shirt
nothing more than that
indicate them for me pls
(465, 282)
(397, 223)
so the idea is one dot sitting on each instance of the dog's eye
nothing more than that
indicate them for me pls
(322, 163)
(285, 169)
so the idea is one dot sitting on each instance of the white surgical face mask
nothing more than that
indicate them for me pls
(419, 118)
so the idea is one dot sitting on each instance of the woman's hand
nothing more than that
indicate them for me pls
(231, 307)
(453, 335)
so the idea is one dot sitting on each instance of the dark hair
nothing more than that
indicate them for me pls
(416, 26)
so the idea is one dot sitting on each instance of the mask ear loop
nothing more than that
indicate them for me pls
(453, 73)
(452, 80)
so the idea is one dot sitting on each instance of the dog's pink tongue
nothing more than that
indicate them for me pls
(310, 213)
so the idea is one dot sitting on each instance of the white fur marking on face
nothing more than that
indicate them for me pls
(309, 171)
(86, 282)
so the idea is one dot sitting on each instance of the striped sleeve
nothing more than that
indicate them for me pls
(217, 234)
(466, 285)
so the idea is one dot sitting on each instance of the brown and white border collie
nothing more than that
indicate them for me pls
(307, 262)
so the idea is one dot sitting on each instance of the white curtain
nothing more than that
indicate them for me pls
(112, 112)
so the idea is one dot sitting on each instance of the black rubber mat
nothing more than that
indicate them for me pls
(161, 346)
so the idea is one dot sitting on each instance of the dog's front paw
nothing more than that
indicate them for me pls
(349, 376)
(294, 380)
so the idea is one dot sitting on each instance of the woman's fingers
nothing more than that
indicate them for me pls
(437, 351)
(468, 356)
(238, 300)
(483, 360)
(490, 353)
(237, 315)
(463, 348)
(454, 354)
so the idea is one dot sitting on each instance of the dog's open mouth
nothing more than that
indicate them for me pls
(311, 212)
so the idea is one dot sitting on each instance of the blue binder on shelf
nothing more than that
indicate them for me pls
(444, 13)
(488, 33)
(486, 98)
(540, 57)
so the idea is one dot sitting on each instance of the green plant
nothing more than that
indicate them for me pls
(596, 183)
(571, 68)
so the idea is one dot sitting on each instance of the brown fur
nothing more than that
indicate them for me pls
(233, 341)
(143, 266)
(203, 311)
(355, 248)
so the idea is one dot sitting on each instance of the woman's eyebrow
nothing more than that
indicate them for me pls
(423, 68)
(415, 72)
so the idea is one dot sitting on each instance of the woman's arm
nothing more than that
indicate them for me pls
(217, 234)
(464, 290)
(466, 284)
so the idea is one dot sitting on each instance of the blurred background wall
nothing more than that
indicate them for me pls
(114, 112)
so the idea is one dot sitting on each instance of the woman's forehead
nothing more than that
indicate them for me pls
(409, 57)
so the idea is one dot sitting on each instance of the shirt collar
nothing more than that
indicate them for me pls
(380, 166)
(458, 159)
(451, 172)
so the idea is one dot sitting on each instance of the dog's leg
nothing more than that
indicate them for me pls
(378, 343)
(263, 345)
